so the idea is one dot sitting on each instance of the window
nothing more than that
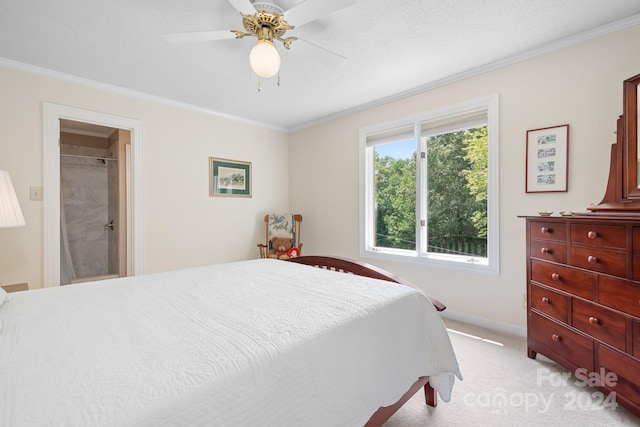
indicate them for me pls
(429, 188)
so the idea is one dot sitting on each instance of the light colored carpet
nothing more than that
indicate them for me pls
(502, 387)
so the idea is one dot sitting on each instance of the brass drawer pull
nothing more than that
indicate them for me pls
(546, 300)
(555, 276)
(592, 259)
(555, 337)
(594, 321)
(592, 235)
(545, 230)
(545, 251)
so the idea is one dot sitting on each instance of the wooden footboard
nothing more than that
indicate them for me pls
(384, 413)
(346, 265)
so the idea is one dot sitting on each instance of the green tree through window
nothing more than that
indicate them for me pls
(396, 202)
(456, 195)
(451, 202)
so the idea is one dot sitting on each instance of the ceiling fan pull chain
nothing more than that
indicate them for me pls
(278, 83)
(259, 85)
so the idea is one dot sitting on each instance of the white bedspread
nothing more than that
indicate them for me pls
(254, 343)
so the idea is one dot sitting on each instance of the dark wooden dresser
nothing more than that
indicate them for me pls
(583, 297)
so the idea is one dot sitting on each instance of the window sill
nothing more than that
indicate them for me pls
(433, 260)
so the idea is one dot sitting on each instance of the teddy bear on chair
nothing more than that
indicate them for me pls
(281, 248)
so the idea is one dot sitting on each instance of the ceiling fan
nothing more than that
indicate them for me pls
(269, 23)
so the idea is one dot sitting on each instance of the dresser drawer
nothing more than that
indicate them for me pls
(549, 250)
(559, 342)
(626, 369)
(610, 236)
(550, 302)
(636, 339)
(623, 295)
(602, 260)
(599, 322)
(548, 230)
(570, 280)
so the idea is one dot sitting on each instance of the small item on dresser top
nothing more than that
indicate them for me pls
(544, 213)
(565, 213)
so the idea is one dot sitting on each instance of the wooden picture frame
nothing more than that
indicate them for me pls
(547, 167)
(229, 178)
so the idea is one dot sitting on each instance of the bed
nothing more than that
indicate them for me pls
(260, 342)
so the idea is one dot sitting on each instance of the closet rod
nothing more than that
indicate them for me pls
(87, 157)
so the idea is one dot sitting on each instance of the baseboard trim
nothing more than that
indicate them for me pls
(485, 323)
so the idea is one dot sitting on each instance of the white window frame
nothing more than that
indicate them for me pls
(490, 265)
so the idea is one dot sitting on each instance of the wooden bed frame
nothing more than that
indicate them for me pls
(345, 265)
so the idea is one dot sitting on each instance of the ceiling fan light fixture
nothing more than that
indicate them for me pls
(264, 59)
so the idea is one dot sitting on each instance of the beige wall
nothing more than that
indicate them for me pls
(182, 225)
(580, 85)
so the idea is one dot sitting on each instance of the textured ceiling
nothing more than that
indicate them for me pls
(393, 47)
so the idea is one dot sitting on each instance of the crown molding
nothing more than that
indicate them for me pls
(16, 65)
(544, 49)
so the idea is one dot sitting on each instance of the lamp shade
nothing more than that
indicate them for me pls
(264, 59)
(10, 213)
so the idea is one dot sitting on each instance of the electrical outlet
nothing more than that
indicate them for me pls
(35, 193)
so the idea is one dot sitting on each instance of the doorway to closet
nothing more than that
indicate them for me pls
(91, 194)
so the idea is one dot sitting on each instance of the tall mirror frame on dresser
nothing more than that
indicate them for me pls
(623, 186)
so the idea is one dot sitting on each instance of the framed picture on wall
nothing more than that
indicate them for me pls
(229, 178)
(547, 159)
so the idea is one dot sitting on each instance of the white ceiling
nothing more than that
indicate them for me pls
(394, 48)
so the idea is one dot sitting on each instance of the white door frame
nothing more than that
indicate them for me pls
(52, 113)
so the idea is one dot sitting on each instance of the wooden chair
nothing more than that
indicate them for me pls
(281, 225)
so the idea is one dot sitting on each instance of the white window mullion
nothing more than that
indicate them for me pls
(421, 196)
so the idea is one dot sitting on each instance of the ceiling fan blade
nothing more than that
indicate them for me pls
(318, 54)
(243, 6)
(198, 36)
(310, 10)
